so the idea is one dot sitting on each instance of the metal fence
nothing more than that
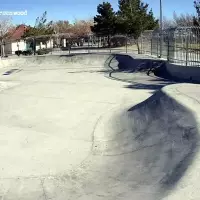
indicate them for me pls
(67, 44)
(179, 45)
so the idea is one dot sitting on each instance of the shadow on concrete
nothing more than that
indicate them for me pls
(180, 127)
(163, 73)
(83, 48)
(81, 53)
(89, 71)
(155, 71)
(129, 64)
(123, 63)
(150, 83)
(10, 72)
(154, 67)
(140, 86)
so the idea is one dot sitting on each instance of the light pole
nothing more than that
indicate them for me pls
(161, 28)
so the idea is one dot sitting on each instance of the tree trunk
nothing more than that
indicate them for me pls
(3, 49)
(108, 40)
(138, 46)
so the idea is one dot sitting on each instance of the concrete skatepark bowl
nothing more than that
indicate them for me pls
(68, 131)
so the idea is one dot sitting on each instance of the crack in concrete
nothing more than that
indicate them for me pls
(43, 189)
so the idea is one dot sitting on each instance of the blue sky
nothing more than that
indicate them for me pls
(82, 9)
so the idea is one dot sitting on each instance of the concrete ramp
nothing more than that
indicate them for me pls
(151, 150)
(111, 61)
(55, 60)
(69, 133)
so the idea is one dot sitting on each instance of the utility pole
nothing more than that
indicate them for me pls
(161, 29)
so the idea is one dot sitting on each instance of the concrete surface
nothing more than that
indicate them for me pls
(181, 72)
(69, 132)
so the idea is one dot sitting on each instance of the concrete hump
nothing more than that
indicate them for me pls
(120, 62)
(155, 143)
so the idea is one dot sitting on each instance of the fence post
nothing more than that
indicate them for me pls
(168, 43)
(158, 40)
(109, 42)
(187, 49)
(34, 46)
(51, 45)
(69, 46)
(88, 44)
(126, 44)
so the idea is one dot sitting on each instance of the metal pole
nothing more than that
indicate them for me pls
(161, 29)
(158, 47)
(69, 46)
(126, 44)
(1, 40)
(109, 43)
(34, 46)
(187, 49)
(168, 44)
(51, 46)
(88, 44)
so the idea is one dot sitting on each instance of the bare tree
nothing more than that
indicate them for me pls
(82, 27)
(183, 19)
(168, 23)
(6, 28)
(61, 26)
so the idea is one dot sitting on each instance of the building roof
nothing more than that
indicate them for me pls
(17, 33)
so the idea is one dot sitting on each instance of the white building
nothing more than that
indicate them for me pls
(16, 43)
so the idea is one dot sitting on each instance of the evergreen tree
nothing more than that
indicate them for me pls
(133, 18)
(196, 20)
(104, 22)
(41, 27)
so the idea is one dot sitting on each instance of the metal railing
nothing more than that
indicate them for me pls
(180, 45)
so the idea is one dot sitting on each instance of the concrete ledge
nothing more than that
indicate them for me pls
(188, 73)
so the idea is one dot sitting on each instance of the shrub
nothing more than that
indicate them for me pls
(27, 52)
(118, 41)
(43, 51)
(18, 53)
